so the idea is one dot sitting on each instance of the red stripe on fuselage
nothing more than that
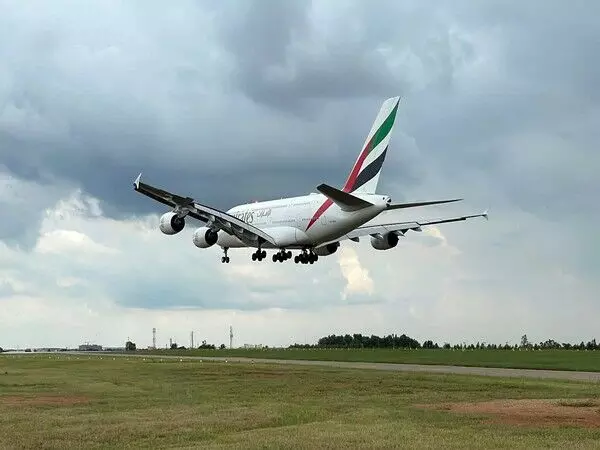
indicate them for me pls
(319, 212)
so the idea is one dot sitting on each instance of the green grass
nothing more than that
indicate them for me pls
(154, 403)
(541, 359)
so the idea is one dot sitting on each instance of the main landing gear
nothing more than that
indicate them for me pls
(306, 257)
(259, 255)
(225, 258)
(282, 255)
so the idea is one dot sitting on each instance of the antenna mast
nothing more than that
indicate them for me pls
(230, 337)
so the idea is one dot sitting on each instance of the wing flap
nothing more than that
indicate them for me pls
(402, 227)
(416, 204)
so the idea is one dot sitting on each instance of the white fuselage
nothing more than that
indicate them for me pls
(305, 221)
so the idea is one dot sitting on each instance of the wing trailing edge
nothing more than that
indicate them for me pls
(416, 204)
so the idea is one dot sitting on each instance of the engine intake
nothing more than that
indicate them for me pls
(204, 237)
(171, 223)
(327, 249)
(384, 242)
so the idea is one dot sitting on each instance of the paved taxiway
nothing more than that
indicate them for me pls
(461, 370)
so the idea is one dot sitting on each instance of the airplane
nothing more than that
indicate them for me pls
(314, 224)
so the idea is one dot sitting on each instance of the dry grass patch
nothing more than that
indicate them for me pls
(43, 400)
(531, 412)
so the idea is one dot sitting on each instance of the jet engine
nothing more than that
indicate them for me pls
(385, 241)
(204, 237)
(326, 249)
(171, 223)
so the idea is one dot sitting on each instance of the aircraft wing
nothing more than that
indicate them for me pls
(403, 227)
(226, 222)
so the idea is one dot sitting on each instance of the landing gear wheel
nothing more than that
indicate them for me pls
(303, 257)
(306, 257)
(225, 258)
(282, 255)
(259, 255)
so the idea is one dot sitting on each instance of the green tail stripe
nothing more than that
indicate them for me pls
(384, 129)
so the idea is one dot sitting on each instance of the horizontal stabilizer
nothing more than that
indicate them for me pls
(346, 202)
(415, 204)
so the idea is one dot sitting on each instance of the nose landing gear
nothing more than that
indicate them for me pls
(225, 258)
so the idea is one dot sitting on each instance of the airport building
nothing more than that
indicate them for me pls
(90, 348)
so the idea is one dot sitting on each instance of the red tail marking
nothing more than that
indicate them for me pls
(347, 187)
(356, 169)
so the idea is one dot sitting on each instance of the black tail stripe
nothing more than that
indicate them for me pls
(369, 172)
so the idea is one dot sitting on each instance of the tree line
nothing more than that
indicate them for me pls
(358, 340)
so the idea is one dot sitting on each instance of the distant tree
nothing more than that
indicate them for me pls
(428, 344)
(205, 345)
(1, 350)
(130, 346)
(549, 344)
(446, 345)
(173, 346)
(524, 341)
(222, 346)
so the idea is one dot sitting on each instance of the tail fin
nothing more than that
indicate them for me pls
(364, 176)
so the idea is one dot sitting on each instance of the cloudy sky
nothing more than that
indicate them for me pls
(231, 102)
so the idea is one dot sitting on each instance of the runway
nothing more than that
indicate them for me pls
(393, 367)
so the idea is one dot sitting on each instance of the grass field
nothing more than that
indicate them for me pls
(51, 401)
(542, 359)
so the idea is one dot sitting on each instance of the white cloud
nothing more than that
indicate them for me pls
(91, 278)
(357, 277)
(68, 242)
(477, 121)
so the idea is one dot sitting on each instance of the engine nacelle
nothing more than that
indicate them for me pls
(170, 223)
(204, 237)
(384, 242)
(327, 249)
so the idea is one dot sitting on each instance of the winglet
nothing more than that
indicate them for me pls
(136, 183)
(485, 214)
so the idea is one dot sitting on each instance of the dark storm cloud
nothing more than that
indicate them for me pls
(268, 41)
(231, 103)
(119, 100)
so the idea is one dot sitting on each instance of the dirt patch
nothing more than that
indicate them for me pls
(531, 412)
(43, 400)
